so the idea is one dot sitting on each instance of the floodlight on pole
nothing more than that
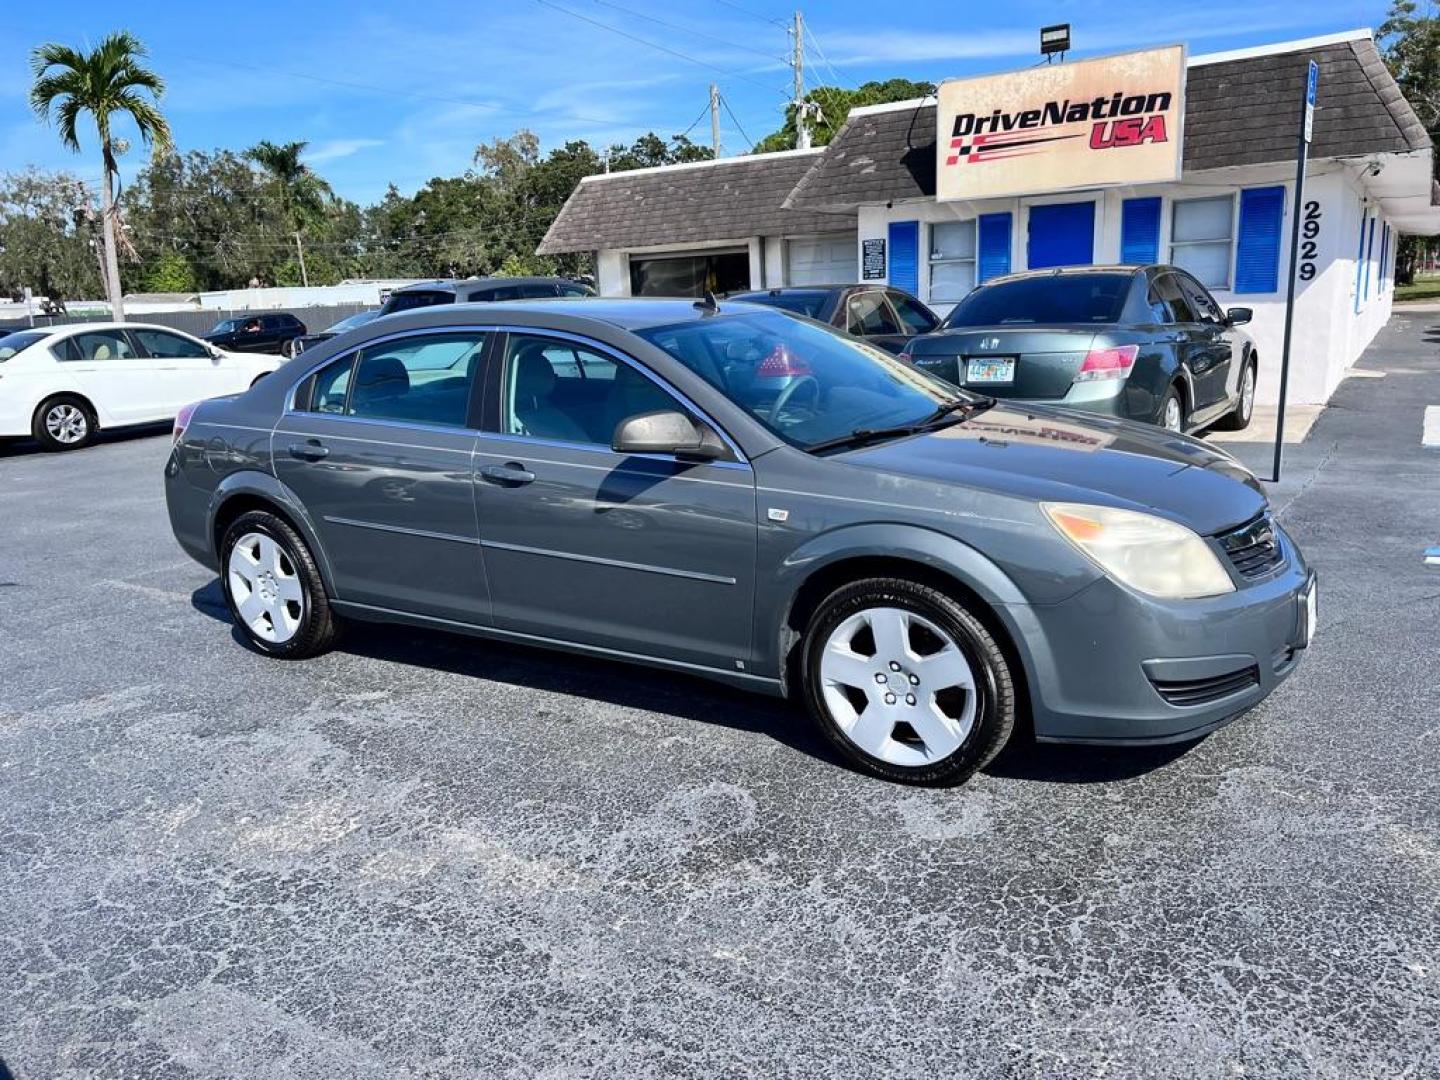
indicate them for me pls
(1055, 39)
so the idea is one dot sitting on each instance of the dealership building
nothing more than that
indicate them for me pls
(866, 207)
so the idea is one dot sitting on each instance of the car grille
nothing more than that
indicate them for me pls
(1204, 691)
(1253, 548)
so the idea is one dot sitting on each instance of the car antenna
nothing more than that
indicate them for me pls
(708, 303)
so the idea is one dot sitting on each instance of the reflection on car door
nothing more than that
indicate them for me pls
(1213, 381)
(378, 448)
(1192, 342)
(114, 375)
(641, 554)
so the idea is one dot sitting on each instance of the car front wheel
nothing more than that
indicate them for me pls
(273, 588)
(907, 683)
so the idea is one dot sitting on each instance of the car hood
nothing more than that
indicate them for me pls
(1043, 452)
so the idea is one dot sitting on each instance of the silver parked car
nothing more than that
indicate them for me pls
(925, 568)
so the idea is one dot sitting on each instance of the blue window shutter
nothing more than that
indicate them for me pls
(1369, 258)
(1257, 253)
(1140, 230)
(905, 256)
(1061, 234)
(1360, 259)
(993, 246)
(1384, 256)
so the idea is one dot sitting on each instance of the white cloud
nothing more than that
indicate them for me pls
(333, 149)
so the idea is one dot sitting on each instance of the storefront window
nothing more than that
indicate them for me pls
(1202, 232)
(690, 275)
(952, 260)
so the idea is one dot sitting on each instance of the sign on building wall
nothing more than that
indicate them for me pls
(1062, 127)
(872, 259)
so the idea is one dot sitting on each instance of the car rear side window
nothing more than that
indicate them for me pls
(99, 345)
(425, 379)
(1052, 299)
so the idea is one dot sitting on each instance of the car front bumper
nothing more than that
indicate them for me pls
(1111, 667)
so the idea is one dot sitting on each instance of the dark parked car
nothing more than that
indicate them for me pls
(482, 290)
(1146, 343)
(927, 568)
(883, 316)
(299, 345)
(269, 333)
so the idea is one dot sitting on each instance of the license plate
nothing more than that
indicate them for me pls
(992, 369)
(1309, 612)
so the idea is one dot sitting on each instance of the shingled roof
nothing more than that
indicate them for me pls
(729, 199)
(1239, 110)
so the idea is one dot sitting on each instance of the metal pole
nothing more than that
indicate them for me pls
(304, 277)
(715, 119)
(1307, 123)
(802, 133)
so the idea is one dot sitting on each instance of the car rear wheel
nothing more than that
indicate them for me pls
(1172, 410)
(1239, 418)
(273, 588)
(64, 422)
(907, 683)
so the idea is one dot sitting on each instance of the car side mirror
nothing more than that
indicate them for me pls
(667, 432)
(1238, 316)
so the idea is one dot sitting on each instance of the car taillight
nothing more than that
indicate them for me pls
(1108, 363)
(781, 362)
(905, 356)
(182, 421)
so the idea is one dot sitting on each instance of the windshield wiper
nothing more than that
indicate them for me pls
(944, 416)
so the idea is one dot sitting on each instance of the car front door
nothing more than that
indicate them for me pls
(1214, 377)
(378, 447)
(642, 554)
(185, 370)
(869, 316)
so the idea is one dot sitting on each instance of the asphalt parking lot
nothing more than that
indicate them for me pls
(424, 856)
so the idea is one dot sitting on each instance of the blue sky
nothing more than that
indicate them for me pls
(393, 92)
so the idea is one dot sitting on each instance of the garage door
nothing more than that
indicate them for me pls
(820, 260)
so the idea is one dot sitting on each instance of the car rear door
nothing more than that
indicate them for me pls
(379, 449)
(642, 553)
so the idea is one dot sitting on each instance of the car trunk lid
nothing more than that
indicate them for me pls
(1041, 362)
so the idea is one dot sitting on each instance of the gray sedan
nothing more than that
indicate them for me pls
(927, 570)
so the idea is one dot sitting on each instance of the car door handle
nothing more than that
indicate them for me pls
(512, 474)
(312, 450)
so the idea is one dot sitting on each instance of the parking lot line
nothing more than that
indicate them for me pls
(1430, 433)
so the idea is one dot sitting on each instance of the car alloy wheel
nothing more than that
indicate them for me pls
(265, 587)
(898, 686)
(67, 424)
(1174, 416)
(1247, 393)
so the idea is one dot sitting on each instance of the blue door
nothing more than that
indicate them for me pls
(1061, 234)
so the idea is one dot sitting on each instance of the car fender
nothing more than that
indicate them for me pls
(252, 482)
(930, 548)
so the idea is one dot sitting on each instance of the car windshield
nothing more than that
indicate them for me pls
(353, 321)
(806, 383)
(809, 302)
(405, 301)
(11, 344)
(1047, 300)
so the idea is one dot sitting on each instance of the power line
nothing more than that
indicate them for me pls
(656, 45)
(826, 61)
(736, 122)
(753, 14)
(690, 31)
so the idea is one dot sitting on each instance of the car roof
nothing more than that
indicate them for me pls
(1069, 271)
(628, 313)
(456, 284)
(81, 327)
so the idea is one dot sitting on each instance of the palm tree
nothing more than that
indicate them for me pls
(109, 79)
(302, 191)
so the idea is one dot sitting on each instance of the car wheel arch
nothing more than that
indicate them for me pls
(85, 403)
(918, 554)
(241, 492)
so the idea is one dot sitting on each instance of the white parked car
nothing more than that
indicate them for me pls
(61, 384)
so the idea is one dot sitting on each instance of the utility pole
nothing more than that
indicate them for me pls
(715, 119)
(802, 133)
(300, 250)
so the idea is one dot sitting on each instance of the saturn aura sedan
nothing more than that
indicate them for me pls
(62, 384)
(926, 569)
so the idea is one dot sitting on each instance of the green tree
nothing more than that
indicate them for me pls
(170, 273)
(835, 105)
(44, 243)
(302, 193)
(109, 80)
(1410, 43)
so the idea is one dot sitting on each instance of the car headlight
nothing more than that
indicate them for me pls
(1148, 553)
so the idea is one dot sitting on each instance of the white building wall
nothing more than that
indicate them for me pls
(1328, 333)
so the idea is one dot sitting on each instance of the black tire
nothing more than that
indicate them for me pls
(40, 424)
(1238, 419)
(994, 693)
(318, 624)
(1172, 395)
